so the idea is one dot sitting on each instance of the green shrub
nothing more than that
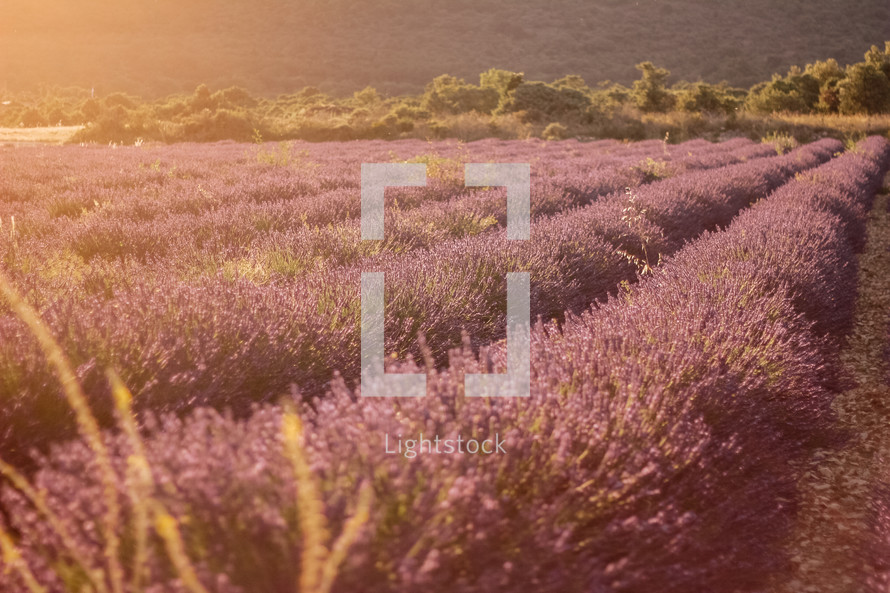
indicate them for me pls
(58, 116)
(202, 99)
(828, 74)
(650, 93)
(404, 125)
(438, 129)
(366, 97)
(701, 97)
(555, 131)
(879, 59)
(503, 81)
(607, 98)
(120, 126)
(448, 94)
(233, 97)
(223, 124)
(359, 114)
(121, 100)
(90, 110)
(572, 81)
(32, 118)
(866, 89)
(824, 87)
(412, 112)
(311, 93)
(780, 94)
(782, 141)
(541, 101)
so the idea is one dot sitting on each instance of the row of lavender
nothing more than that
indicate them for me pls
(248, 220)
(207, 215)
(475, 211)
(575, 258)
(126, 187)
(288, 254)
(213, 341)
(656, 451)
(149, 183)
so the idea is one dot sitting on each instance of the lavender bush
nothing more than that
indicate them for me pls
(176, 350)
(656, 452)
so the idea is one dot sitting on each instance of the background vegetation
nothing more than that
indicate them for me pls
(816, 100)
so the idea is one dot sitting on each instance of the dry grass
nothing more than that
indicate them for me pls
(860, 124)
(51, 135)
(321, 559)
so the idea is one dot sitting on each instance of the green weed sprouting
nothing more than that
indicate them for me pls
(284, 156)
(852, 141)
(447, 169)
(634, 216)
(652, 169)
(782, 141)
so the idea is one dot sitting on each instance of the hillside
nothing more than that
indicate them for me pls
(154, 47)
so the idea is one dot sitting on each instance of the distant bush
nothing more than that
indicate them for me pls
(233, 97)
(391, 126)
(554, 131)
(504, 104)
(572, 81)
(503, 81)
(650, 93)
(798, 94)
(222, 124)
(828, 74)
(122, 100)
(541, 101)
(865, 89)
(90, 110)
(309, 92)
(824, 87)
(448, 94)
(707, 98)
(202, 99)
(608, 97)
(879, 59)
(366, 97)
(33, 118)
(409, 111)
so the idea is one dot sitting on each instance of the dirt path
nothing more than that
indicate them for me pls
(833, 532)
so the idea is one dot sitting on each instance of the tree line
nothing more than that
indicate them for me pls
(503, 103)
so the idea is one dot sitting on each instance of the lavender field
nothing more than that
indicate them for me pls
(180, 363)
